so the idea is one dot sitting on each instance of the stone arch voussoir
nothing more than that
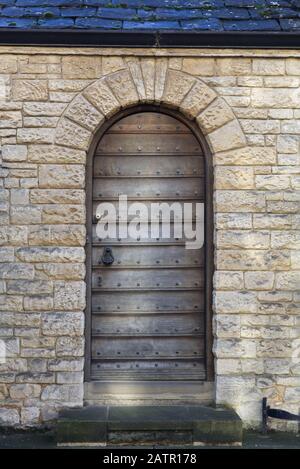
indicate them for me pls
(149, 80)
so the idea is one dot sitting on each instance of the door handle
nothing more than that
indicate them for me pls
(107, 257)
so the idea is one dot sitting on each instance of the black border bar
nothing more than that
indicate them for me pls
(155, 39)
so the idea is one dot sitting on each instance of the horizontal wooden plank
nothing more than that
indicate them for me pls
(147, 301)
(146, 375)
(148, 278)
(151, 235)
(147, 347)
(151, 166)
(148, 370)
(101, 312)
(149, 122)
(151, 256)
(144, 143)
(148, 324)
(188, 362)
(149, 187)
(142, 211)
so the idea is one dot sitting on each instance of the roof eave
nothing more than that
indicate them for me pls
(150, 38)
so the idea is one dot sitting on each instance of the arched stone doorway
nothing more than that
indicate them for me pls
(139, 82)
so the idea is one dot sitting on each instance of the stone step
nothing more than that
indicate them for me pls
(148, 425)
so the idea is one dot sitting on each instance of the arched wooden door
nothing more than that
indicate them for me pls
(147, 318)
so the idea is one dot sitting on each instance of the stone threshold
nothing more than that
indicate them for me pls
(148, 425)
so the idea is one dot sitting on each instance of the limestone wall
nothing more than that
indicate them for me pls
(247, 104)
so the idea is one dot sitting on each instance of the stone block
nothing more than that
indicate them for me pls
(160, 78)
(63, 213)
(9, 64)
(228, 366)
(288, 280)
(240, 201)
(235, 348)
(272, 221)
(82, 112)
(24, 391)
(29, 287)
(235, 302)
(69, 295)
(247, 156)
(80, 67)
(199, 66)
(177, 85)
(123, 88)
(112, 64)
(61, 323)
(66, 364)
(101, 96)
(39, 108)
(30, 90)
(134, 66)
(70, 347)
(259, 280)
(50, 254)
(14, 153)
(9, 417)
(275, 98)
(234, 177)
(61, 176)
(30, 416)
(293, 66)
(227, 137)
(233, 221)
(243, 239)
(19, 196)
(253, 260)
(52, 235)
(196, 100)
(71, 394)
(288, 143)
(261, 127)
(70, 134)
(54, 196)
(69, 377)
(25, 215)
(214, 116)
(268, 66)
(35, 135)
(38, 303)
(66, 271)
(228, 325)
(231, 66)
(272, 182)
(14, 271)
(224, 280)
(270, 348)
(277, 366)
(285, 240)
(55, 154)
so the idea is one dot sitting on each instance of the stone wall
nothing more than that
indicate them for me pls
(247, 104)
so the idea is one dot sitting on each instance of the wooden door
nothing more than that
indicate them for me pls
(147, 307)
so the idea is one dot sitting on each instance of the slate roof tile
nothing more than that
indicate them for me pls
(202, 15)
(208, 24)
(157, 25)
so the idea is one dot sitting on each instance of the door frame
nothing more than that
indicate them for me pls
(209, 229)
